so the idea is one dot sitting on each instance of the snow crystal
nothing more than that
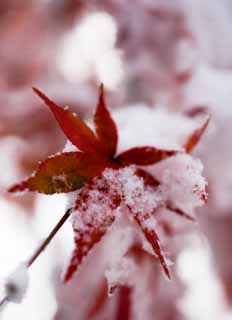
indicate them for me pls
(119, 273)
(118, 193)
(182, 182)
(133, 191)
(113, 192)
(71, 199)
(140, 198)
(69, 147)
(120, 268)
(150, 223)
(102, 202)
(97, 205)
(17, 283)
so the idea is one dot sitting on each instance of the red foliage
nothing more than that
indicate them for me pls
(124, 304)
(97, 151)
(71, 171)
(105, 126)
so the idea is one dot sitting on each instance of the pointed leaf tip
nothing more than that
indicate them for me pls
(101, 88)
(197, 134)
(19, 187)
(75, 129)
(41, 95)
(105, 126)
(153, 239)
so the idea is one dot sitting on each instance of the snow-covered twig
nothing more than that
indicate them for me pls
(17, 283)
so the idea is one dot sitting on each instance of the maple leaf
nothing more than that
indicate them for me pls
(64, 172)
(70, 171)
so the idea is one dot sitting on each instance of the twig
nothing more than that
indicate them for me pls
(49, 238)
(42, 247)
(3, 301)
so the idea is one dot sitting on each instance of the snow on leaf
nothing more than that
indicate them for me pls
(83, 244)
(113, 186)
(64, 172)
(146, 224)
(120, 274)
(136, 194)
(75, 129)
(121, 267)
(142, 200)
(17, 283)
(105, 126)
(94, 212)
(148, 178)
(95, 209)
(144, 156)
(181, 182)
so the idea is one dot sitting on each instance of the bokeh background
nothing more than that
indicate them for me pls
(172, 55)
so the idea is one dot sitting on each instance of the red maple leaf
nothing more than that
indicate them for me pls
(70, 171)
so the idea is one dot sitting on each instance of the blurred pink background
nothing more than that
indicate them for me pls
(157, 59)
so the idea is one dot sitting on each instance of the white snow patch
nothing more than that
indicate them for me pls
(156, 127)
(17, 283)
(69, 147)
(120, 268)
(182, 182)
(89, 51)
(203, 298)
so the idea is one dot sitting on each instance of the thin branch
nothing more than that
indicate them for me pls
(42, 247)
(3, 301)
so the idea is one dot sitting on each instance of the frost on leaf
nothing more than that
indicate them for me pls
(97, 207)
(182, 183)
(112, 185)
(94, 212)
(142, 201)
(146, 224)
(121, 267)
(70, 171)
